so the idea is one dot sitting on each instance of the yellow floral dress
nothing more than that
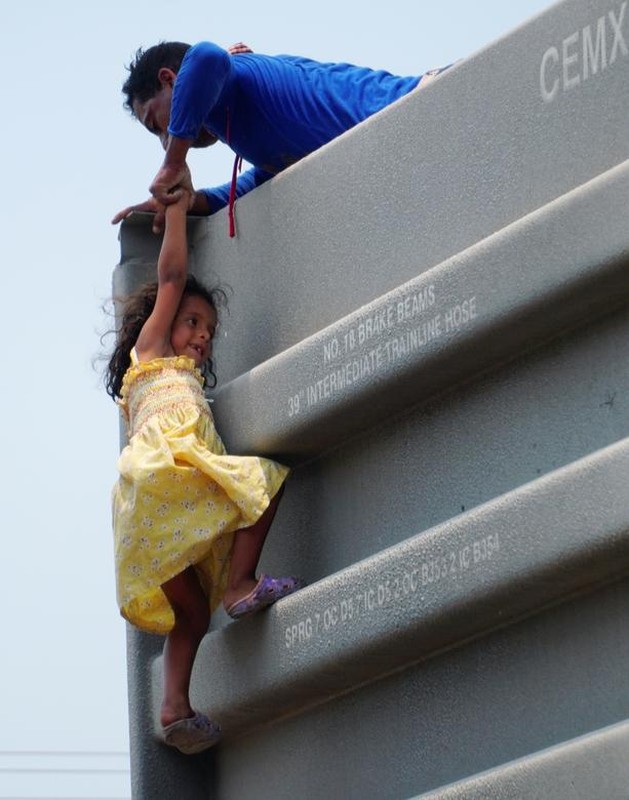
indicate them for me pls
(180, 497)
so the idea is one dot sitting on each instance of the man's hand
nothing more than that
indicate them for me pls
(239, 47)
(197, 205)
(167, 184)
(152, 206)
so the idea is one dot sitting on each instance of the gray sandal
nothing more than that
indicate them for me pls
(192, 734)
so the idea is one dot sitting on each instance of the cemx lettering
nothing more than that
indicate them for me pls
(583, 54)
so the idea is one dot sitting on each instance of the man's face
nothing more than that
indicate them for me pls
(154, 113)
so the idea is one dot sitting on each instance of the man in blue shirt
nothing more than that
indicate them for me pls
(271, 110)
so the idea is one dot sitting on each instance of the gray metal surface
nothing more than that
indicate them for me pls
(539, 544)
(592, 766)
(459, 510)
(475, 150)
(519, 690)
(451, 322)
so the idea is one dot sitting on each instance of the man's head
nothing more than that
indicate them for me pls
(148, 89)
(143, 81)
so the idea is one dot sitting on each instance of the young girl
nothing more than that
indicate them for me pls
(189, 520)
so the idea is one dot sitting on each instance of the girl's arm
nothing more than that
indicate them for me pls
(172, 271)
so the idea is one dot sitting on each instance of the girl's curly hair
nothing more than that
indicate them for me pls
(135, 309)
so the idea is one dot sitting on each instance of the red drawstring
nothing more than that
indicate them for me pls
(232, 189)
(232, 196)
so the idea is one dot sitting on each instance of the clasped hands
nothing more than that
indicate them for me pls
(165, 189)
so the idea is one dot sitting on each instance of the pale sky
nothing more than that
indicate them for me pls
(74, 157)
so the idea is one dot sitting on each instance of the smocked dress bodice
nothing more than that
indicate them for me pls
(160, 388)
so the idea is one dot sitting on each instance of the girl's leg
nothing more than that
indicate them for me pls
(248, 543)
(192, 618)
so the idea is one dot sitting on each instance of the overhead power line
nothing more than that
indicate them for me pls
(64, 770)
(98, 753)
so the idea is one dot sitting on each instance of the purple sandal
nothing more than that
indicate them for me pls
(192, 734)
(266, 592)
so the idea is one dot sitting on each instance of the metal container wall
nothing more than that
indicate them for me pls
(429, 324)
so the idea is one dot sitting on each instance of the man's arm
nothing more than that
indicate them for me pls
(199, 207)
(218, 197)
(199, 83)
(173, 173)
(205, 69)
(204, 201)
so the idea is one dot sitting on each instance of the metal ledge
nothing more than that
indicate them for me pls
(593, 766)
(536, 545)
(138, 243)
(551, 270)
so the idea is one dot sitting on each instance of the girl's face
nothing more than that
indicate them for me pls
(193, 329)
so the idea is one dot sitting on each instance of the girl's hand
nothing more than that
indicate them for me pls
(151, 205)
(198, 206)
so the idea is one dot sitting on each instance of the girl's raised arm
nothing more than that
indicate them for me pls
(172, 271)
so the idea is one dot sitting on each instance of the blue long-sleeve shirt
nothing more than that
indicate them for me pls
(273, 110)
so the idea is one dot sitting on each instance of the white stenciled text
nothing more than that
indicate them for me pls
(357, 605)
(584, 53)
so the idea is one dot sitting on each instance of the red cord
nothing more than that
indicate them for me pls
(232, 189)
(232, 196)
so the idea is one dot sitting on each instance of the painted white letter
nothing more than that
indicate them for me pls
(552, 54)
(619, 39)
(593, 52)
(568, 61)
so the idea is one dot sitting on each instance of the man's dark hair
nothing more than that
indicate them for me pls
(143, 83)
